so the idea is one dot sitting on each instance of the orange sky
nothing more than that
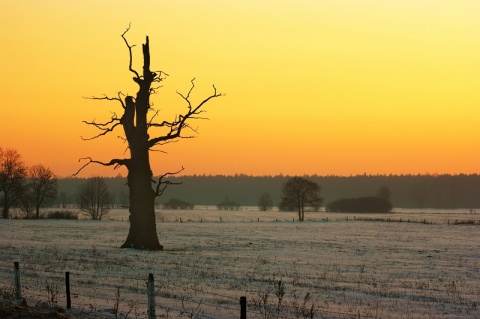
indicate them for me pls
(312, 86)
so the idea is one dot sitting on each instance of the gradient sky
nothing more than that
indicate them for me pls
(311, 86)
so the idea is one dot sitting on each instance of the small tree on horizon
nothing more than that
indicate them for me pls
(228, 204)
(299, 193)
(12, 179)
(95, 198)
(42, 186)
(174, 203)
(62, 199)
(265, 202)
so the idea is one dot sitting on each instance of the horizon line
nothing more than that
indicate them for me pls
(287, 175)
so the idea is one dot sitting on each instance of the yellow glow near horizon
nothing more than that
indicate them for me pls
(312, 87)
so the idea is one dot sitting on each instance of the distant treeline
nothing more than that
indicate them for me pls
(407, 191)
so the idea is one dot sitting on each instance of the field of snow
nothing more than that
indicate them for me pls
(330, 266)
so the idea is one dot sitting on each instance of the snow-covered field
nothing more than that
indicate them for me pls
(331, 266)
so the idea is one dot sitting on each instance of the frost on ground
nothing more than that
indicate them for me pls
(332, 266)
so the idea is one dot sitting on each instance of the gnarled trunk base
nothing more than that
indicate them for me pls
(143, 227)
(142, 233)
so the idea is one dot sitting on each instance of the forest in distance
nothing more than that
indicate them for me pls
(407, 191)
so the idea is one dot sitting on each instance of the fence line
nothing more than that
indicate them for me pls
(152, 304)
(151, 293)
(137, 289)
(169, 299)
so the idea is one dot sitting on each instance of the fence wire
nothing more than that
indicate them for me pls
(130, 294)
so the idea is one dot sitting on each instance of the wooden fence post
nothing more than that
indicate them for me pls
(67, 286)
(243, 307)
(151, 297)
(18, 288)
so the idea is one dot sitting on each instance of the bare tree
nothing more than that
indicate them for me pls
(62, 199)
(25, 204)
(42, 186)
(137, 127)
(12, 179)
(265, 202)
(298, 193)
(228, 204)
(95, 199)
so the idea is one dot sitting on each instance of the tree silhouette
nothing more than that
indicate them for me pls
(298, 193)
(42, 186)
(95, 198)
(136, 125)
(265, 202)
(228, 204)
(174, 203)
(12, 178)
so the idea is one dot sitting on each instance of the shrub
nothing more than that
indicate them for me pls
(369, 204)
(62, 214)
(228, 204)
(174, 203)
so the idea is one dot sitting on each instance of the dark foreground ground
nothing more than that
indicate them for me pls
(14, 311)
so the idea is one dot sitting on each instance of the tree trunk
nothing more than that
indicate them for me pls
(143, 227)
(300, 209)
(6, 206)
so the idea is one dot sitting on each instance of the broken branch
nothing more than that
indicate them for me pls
(116, 162)
(137, 76)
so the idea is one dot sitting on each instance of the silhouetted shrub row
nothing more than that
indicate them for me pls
(369, 204)
(228, 204)
(465, 222)
(174, 203)
(390, 220)
(62, 214)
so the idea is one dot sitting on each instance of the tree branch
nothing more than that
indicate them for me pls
(162, 185)
(108, 98)
(180, 122)
(163, 123)
(114, 121)
(137, 76)
(106, 127)
(186, 98)
(116, 162)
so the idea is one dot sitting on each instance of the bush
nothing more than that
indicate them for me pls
(228, 204)
(62, 214)
(174, 203)
(369, 204)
